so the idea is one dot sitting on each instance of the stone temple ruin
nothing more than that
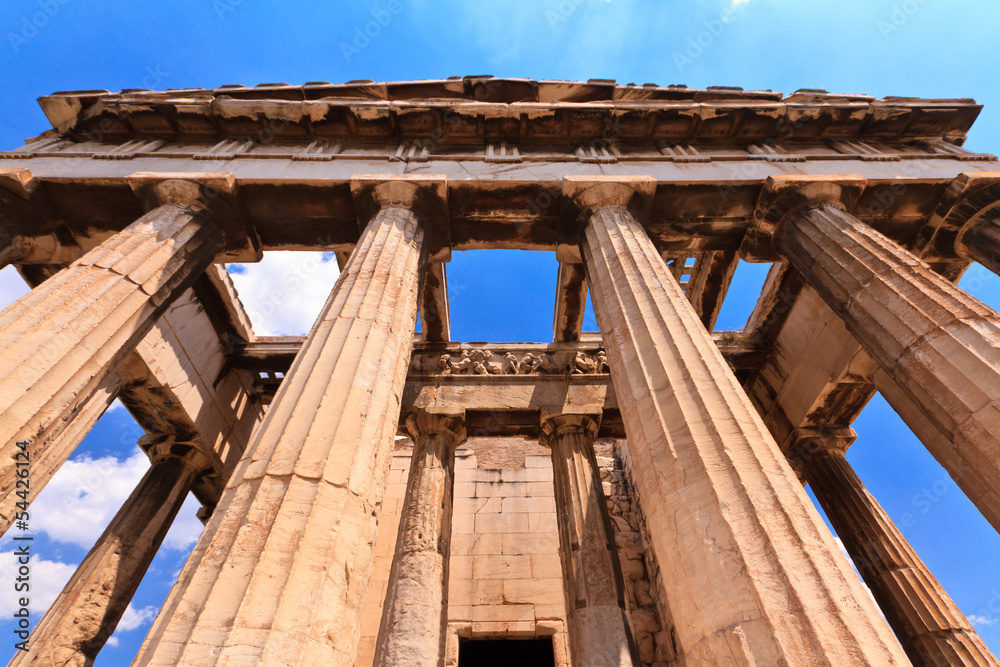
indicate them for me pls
(629, 497)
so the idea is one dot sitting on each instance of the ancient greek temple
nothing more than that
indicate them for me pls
(628, 497)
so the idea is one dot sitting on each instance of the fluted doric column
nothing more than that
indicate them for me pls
(598, 627)
(91, 604)
(60, 343)
(940, 346)
(415, 619)
(931, 628)
(281, 573)
(751, 574)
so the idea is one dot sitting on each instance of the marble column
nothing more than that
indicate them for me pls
(931, 628)
(415, 616)
(980, 242)
(59, 448)
(598, 625)
(285, 560)
(91, 604)
(60, 342)
(967, 220)
(751, 574)
(937, 344)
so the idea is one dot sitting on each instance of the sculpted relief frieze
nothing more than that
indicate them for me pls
(499, 361)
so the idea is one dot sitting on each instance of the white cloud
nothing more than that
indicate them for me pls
(135, 618)
(982, 621)
(284, 292)
(84, 495)
(736, 4)
(186, 528)
(47, 579)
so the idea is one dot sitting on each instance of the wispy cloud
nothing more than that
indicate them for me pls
(80, 501)
(47, 580)
(284, 292)
(982, 621)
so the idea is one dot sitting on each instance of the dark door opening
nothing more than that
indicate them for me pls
(506, 653)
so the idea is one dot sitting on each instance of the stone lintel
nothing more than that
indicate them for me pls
(581, 195)
(214, 192)
(425, 194)
(783, 195)
(971, 199)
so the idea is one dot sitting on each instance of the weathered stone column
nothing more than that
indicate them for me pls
(91, 604)
(415, 619)
(286, 558)
(939, 345)
(931, 628)
(967, 222)
(60, 342)
(751, 574)
(60, 447)
(598, 627)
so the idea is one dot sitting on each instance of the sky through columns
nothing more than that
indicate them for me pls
(925, 48)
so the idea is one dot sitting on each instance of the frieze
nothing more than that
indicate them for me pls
(509, 361)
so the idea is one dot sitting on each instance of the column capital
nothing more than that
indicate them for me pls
(28, 234)
(785, 195)
(422, 424)
(972, 199)
(424, 194)
(558, 424)
(190, 452)
(215, 193)
(582, 195)
(803, 445)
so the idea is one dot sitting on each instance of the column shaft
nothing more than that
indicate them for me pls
(91, 604)
(981, 243)
(598, 628)
(751, 574)
(415, 620)
(939, 345)
(289, 551)
(931, 628)
(60, 342)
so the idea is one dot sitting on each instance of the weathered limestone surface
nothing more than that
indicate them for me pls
(415, 618)
(60, 342)
(939, 345)
(598, 625)
(189, 385)
(91, 604)
(981, 243)
(751, 574)
(281, 573)
(931, 628)
(648, 611)
(505, 573)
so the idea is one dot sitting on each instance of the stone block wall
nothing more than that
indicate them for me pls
(505, 578)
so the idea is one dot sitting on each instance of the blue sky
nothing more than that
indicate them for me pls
(925, 48)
